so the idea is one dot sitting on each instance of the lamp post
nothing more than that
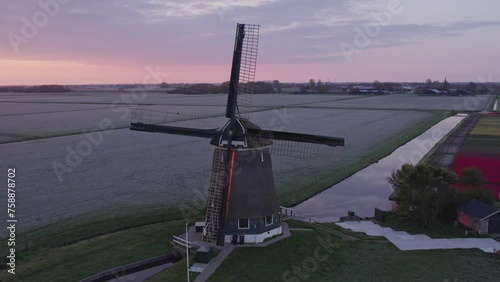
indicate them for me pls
(187, 252)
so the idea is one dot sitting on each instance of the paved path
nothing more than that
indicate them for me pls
(406, 242)
(214, 264)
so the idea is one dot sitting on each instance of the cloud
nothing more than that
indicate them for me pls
(149, 32)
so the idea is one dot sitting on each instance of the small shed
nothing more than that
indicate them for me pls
(480, 217)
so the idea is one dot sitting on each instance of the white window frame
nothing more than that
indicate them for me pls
(272, 220)
(248, 223)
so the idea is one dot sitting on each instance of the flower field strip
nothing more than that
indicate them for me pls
(482, 150)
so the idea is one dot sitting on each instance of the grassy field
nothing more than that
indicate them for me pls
(132, 179)
(77, 261)
(304, 257)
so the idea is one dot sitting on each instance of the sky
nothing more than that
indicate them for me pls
(121, 41)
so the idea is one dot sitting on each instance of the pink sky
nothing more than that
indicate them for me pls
(97, 42)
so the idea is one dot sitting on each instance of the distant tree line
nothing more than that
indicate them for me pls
(36, 89)
(472, 87)
(383, 86)
(259, 87)
(314, 85)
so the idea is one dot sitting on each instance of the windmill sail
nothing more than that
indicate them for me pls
(247, 70)
(241, 143)
(243, 69)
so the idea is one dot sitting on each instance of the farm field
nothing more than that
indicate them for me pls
(410, 102)
(134, 171)
(52, 115)
(143, 169)
(481, 149)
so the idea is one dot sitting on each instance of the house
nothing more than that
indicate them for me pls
(479, 217)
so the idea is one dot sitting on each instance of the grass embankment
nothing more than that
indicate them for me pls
(436, 231)
(327, 177)
(175, 273)
(427, 157)
(77, 261)
(304, 257)
(491, 104)
(87, 226)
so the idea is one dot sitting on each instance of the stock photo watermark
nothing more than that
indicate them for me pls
(363, 36)
(48, 9)
(84, 148)
(465, 105)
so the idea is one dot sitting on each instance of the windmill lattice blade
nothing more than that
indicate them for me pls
(304, 150)
(151, 117)
(176, 130)
(247, 69)
(155, 121)
(261, 134)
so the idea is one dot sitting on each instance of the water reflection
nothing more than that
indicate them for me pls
(368, 188)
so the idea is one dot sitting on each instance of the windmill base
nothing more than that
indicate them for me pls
(254, 238)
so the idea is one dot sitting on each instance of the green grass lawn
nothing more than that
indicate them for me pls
(77, 261)
(302, 257)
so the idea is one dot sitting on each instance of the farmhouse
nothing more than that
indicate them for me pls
(480, 217)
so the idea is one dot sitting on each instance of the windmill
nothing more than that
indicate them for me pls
(242, 197)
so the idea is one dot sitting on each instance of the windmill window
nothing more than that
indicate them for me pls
(243, 223)
(268, 220)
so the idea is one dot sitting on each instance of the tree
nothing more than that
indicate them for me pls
(470, 177)
(262, 87)
(472, 87)
(321, 86)
(312, 84)
(428, 82)
(163, 85)
(480, 194)
(377, 85)
(422, 190)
